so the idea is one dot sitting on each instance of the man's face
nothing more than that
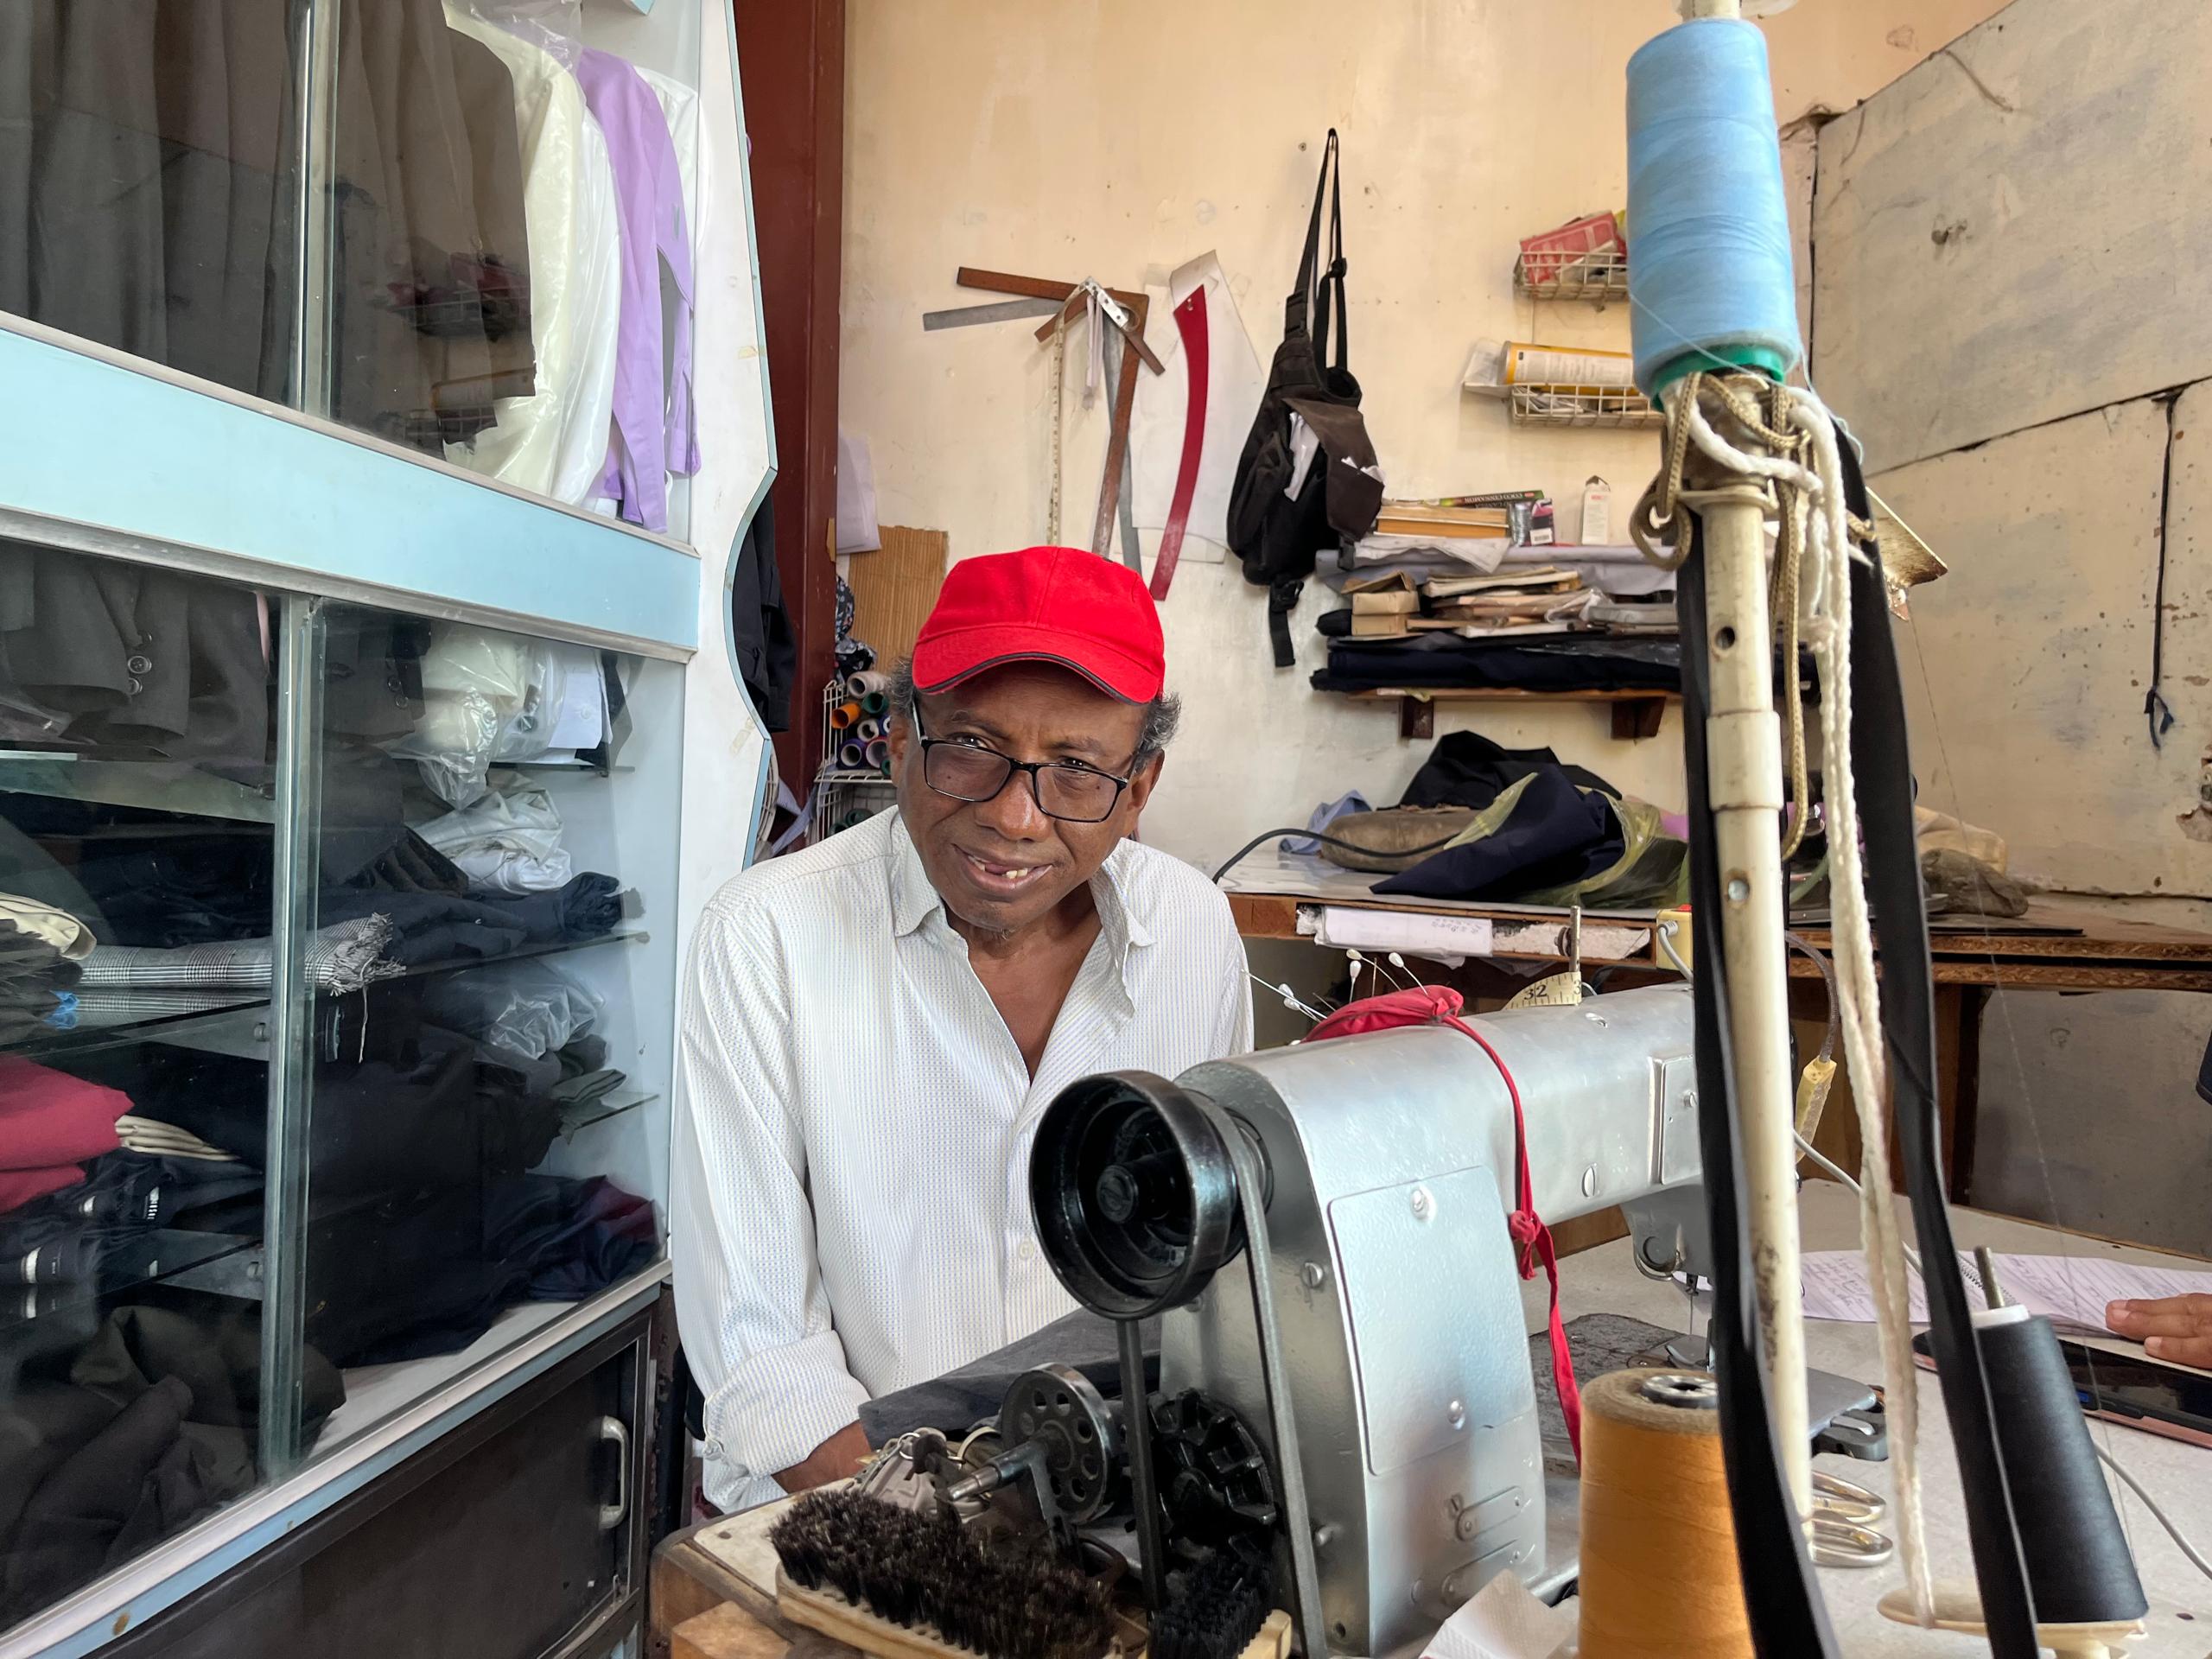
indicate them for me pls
(1002, 864)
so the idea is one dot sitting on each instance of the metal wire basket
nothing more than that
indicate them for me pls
(1586, 406)
(1600, 274)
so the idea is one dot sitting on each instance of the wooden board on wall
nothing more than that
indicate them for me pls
(2026, 667)
(894, 589)
(2007, 234)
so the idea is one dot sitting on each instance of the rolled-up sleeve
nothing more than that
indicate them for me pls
(749, 1297)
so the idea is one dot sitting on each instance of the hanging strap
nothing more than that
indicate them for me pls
(1303, 298)
(1282, 600)
(1439, 1005)
(1191, 326)
(1334, 274)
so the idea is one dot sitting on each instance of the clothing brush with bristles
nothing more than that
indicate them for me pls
(908, 1584)
(1214, 1612)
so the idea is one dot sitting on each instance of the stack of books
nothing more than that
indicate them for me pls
(1521, 600)
(1522, 517)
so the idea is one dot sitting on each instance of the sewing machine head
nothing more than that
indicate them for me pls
(1388, 1176)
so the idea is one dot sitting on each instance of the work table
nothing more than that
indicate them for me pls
(715, 1570)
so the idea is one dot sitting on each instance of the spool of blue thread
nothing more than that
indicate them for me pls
(1710, 280)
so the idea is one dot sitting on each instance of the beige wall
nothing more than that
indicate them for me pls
(1066, 140)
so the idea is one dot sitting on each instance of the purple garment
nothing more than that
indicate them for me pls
(652, 435)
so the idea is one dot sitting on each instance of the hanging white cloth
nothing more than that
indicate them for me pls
(1235, 381)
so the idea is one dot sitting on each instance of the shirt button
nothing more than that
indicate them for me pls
(141, 664)
(137, 686)
(1028, 1250)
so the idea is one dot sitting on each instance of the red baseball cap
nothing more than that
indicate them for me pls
(1044, 605)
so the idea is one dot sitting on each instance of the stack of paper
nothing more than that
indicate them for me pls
(2070, 1291)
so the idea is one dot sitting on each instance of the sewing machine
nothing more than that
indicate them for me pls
(1386, 1355)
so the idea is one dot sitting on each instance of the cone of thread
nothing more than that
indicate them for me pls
(1659, 1573)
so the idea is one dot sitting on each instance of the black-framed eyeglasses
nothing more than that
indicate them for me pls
(1065, 790)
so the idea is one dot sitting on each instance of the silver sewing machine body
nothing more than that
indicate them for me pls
(1388, 1166)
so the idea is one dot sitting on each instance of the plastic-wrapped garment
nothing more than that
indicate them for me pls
(555, 440)
(489, 697)
(528, 1007)
(509, 842)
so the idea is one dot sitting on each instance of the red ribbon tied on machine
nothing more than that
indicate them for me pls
(1439, 1005)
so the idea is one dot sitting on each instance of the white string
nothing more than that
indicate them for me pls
(1827, 631)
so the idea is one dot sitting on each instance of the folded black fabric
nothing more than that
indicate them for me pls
(571, 1239)
(431, 927)
(430, 1278)
(1444, 659)
(1554, 834)
(122, 1432)
(587, 907)
(1467, 769)
(437, 1118)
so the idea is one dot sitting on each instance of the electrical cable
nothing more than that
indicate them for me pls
(2181, 1539)
(1667, 944)
(1303, 834)
(1836, 1171)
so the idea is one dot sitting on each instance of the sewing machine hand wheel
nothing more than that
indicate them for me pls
(1136, 1194)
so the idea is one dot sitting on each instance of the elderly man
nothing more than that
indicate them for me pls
(872, 1028)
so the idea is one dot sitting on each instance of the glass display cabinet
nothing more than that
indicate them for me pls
(364, 672)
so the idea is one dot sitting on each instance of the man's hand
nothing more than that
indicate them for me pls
(2179, 1328)
(837, 1458)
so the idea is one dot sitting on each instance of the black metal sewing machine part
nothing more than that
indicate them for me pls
(1142, 1192)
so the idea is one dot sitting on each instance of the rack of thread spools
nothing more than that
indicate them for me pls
(853, 782)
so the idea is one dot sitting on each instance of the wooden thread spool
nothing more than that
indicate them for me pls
(1659, 1572)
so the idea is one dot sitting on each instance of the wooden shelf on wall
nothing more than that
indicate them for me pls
(1636, 714)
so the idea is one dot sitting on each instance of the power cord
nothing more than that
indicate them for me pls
(2181, 1542)
(2181, 1539)
(1304, 834)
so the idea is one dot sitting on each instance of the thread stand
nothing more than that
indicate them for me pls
(1743, 747)
(1958, 1607)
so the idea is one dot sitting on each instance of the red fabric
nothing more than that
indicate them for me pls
(48, 1118)
(1439, 1005)
(1044, 604)
(19, 1186)
(1191, 324)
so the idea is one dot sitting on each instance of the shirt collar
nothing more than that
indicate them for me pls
(914, 901)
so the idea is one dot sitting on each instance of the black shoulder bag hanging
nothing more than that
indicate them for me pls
(1277, 534)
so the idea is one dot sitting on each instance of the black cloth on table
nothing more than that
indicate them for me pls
(1555, 834)
(959, 1400)
(1467, 769)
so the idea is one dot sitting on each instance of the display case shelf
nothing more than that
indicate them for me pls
(156, 785)
(586, 1113)
(168, 1255)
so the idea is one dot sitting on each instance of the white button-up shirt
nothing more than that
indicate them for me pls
(850, 1196)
